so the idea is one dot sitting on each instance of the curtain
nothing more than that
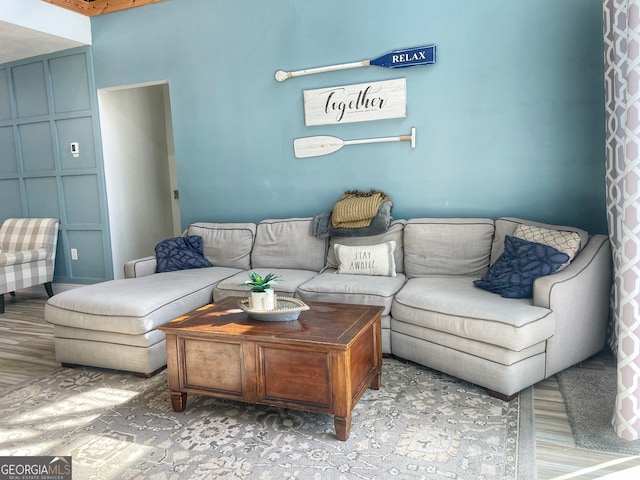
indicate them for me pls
(622, 90)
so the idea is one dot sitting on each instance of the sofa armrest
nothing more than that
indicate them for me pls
(579, 297)
(22, 256)
(140, 267)
(582, 266)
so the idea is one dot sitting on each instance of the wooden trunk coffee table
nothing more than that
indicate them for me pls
(321, 362)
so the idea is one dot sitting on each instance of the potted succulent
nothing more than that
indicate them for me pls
(262, 295)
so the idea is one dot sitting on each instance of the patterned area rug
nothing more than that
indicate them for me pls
(421, 424)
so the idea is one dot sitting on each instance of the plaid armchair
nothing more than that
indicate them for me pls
(27, 254)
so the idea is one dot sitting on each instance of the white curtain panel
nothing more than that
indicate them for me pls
(622, 85)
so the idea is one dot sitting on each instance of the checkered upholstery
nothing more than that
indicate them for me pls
(27, 252)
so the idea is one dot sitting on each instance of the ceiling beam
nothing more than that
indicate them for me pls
(98, 7)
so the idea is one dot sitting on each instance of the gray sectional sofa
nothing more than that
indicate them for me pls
(434, 314)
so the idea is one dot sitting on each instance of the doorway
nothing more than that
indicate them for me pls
(140, 169)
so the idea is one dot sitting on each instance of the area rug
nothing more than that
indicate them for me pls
(420, 424)
(590, 397)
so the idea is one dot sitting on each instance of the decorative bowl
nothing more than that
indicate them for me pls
(287, 309)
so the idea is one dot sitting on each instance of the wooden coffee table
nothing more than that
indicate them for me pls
(321, 362)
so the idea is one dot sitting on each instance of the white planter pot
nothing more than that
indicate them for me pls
(263, 300)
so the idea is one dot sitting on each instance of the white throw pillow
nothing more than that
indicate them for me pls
(366, 259)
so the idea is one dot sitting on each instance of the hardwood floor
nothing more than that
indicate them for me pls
(558, 456)
(26, 349)
(26, 340)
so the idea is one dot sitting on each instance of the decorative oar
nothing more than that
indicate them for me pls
(324, 144)
(409, 57)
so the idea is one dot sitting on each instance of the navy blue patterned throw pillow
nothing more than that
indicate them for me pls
(180, 253)
(513, 274)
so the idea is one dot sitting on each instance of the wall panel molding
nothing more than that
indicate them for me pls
(46, 103)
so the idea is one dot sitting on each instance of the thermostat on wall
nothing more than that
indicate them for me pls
(75, 149)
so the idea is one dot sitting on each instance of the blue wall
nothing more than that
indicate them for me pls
(510, 120)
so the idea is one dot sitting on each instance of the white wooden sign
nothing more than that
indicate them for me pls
(356, 103)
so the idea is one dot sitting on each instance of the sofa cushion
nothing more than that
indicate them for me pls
(447, 246)
(115, 356)
(226, 244)
(435, 303)
(366, 259)
(513, 274)
(494, 353)
(135, 306)
(394, 233)
(508, 225)
(475, 368)
(180, 253)
(288, 243)
(144, 340)
(360, 289)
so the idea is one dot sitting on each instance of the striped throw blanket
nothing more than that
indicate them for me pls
(356, 209)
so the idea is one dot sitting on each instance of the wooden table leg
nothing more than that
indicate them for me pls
(178, 401)
(375, 381)
(343, 427)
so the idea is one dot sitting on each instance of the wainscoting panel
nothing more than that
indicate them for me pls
(10, 198)
(36, 145)
(9, 163)
(79, 129)
(46, 104)
(30, 90)
(5, 97)
(70, 96)
(40, 191)
(88, 267)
